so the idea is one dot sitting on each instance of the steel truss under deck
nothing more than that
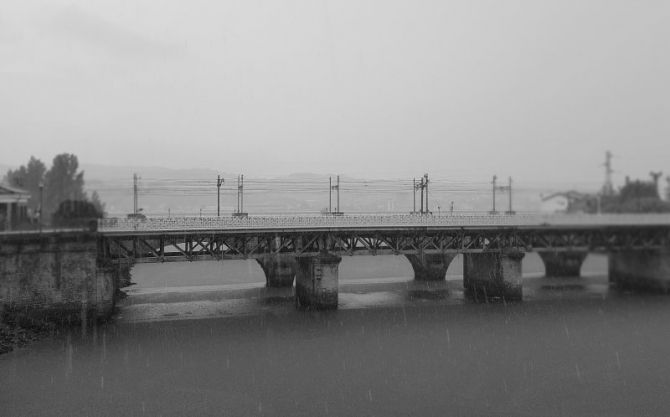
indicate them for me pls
(235, 244)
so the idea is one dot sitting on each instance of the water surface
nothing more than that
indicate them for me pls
(394, 348)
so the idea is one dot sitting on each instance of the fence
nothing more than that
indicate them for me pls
(379, 221)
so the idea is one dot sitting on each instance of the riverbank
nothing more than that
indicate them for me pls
(13, 336)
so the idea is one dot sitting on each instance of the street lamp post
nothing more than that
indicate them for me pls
(41, 204)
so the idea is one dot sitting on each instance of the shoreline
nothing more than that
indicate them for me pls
(13, 336)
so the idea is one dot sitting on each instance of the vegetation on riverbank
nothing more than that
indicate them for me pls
(13, 335)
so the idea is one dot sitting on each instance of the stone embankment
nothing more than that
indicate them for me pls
(52, 279)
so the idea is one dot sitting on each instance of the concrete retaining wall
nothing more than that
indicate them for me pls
(55, 277)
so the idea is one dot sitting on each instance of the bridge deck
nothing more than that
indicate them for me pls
(116, 226)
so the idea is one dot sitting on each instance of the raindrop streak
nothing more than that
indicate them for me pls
(68, 357)
(102, 382)
(448, 339)
(579, 374)
(103, 356)
(370, 395)
(618, 362)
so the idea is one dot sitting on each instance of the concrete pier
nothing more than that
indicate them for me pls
(316, 283)
(491, 275)
(647, 270)
(430, 267)
(279, 270)
(563, 264)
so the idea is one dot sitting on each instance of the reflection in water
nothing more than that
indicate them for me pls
(395, 347)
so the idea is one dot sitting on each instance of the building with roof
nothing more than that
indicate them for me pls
(13, 207)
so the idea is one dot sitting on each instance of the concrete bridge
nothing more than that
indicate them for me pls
(81, 270)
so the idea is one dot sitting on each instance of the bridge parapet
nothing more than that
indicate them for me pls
(378, 221)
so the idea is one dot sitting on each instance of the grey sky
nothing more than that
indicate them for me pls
(533, 89)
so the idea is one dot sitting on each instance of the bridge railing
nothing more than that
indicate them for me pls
(378, 221)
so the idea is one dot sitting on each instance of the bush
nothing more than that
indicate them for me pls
(76, 213)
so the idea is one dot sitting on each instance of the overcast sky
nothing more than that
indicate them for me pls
(534, 89)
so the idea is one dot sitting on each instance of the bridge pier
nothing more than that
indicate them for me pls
(490, 275)
(646, 270)
(562, 264)
(279, 270)
(430, 267)
(317, 281)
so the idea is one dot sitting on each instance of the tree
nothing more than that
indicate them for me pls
(29, 177)
(74, 213)
(63, 182)
(97, 203)
(636, 197)
(638, 189)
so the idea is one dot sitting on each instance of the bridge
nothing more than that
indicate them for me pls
(305, 251)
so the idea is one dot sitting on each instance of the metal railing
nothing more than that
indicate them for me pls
(379, 221)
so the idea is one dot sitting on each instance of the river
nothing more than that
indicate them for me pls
(207, 339)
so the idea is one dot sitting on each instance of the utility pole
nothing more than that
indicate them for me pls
(608, 189)
(219, 181)
(330, 193)
(135, 178)
(41, 203)
(422, 185)
(425, 176)
(507, 188)
(414, 189)
(338, 195)
(493, 210)
(240, 193)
